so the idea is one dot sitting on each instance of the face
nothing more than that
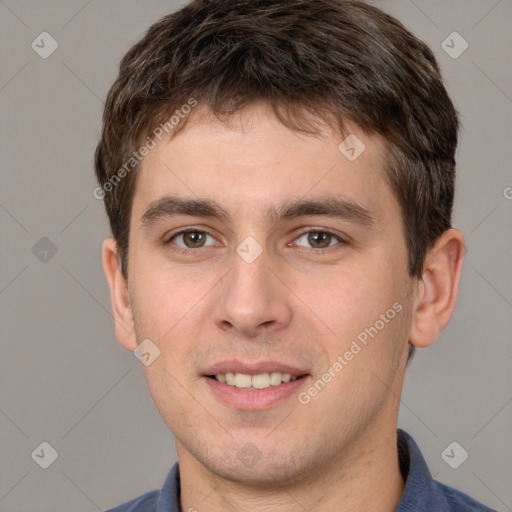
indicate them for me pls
(269, 260)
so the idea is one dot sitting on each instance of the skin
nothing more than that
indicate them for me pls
(292, 305)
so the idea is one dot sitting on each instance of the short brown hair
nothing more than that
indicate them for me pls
(340, 60)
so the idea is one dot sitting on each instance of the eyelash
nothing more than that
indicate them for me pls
(188, 251)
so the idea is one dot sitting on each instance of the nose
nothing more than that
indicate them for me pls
(252, 300)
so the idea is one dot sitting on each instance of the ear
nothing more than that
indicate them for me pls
(437, 292)
(121, 307)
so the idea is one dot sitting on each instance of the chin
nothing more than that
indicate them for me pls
(252, 467)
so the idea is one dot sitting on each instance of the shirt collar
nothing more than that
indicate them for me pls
(421, 491)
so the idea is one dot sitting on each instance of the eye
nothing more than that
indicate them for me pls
(191, 239)
(318, 239)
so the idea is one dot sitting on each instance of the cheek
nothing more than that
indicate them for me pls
(168, 391)
(162, 298)
(353, 299)
(172, 310)
(363, 358)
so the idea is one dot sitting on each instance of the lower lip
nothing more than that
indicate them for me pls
(254, 399)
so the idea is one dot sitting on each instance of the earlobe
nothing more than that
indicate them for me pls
(437, 292)
(121, 307)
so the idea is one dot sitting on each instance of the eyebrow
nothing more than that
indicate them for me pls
(338, 207)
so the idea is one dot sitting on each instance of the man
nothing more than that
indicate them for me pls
(279, 181)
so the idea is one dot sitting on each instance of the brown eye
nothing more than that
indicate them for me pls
(191, 239)
(318, 239)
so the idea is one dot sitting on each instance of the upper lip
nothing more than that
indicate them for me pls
(254, 368)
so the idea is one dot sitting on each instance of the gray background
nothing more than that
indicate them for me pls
(64, 378)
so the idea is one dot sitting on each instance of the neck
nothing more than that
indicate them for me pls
(366, 476)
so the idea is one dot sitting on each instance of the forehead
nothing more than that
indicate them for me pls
(253, 164)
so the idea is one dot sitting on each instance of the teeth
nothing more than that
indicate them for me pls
(260, 381)
(275, 378)
(242, 380)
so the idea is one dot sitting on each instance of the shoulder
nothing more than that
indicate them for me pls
(144, 503)
(421, 491)
(165, 499)
(461, 502)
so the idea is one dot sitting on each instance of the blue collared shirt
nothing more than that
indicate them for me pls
(421, 493)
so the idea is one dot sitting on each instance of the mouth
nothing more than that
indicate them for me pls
(254, 386)
(259, 381)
